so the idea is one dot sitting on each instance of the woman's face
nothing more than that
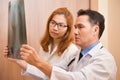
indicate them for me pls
(58, 26)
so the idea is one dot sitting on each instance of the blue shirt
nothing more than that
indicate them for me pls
(85, 51)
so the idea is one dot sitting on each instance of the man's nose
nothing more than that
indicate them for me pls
(76, 31)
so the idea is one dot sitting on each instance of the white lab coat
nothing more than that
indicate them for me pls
(98, 64)
(51, 58)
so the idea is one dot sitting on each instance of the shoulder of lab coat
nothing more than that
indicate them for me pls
(98, 64)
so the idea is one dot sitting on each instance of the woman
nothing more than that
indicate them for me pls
(58, 37)
(56, 44)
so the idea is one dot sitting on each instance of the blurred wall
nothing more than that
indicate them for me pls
(111, 40)
(114, 31)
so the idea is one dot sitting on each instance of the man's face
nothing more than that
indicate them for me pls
(85, 33)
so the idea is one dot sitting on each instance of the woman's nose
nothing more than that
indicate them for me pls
(56, 27)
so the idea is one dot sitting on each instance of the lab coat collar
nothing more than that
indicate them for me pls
(53, 52)
(93, 51)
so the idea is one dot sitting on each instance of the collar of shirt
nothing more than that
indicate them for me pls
(53, 51)
(85, 51)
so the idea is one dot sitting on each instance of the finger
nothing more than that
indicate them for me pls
(5, 52)
(24, 54)
(24, 58)
(25, 46)
(24, 50)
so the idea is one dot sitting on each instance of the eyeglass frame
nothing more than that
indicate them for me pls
(60, 26)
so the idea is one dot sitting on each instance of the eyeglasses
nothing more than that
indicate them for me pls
(59, 25)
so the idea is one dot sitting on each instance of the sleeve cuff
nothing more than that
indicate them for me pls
(34, 72)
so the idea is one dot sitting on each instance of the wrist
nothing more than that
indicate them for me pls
(45, 67)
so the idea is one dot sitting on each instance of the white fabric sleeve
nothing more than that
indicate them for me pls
(60, 74)
(34, 72)
(94, 71)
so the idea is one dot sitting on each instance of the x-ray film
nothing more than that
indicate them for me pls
(16, 28)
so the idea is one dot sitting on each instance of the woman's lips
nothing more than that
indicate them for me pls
(54, 33)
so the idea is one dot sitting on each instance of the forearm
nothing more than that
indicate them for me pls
(45, 67)
(34, 72)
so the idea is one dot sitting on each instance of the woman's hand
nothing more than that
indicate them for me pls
(20, 63)
(5, 52)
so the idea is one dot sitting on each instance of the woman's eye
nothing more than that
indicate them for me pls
(53, 22)
(61, 25)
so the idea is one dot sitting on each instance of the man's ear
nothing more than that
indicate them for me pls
(96, 28)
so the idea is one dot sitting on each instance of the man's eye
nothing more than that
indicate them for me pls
(75, 27)
(79, 26)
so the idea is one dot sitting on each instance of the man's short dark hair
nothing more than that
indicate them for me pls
(94, 18)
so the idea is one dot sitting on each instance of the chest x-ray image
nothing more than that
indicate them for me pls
(16, 28)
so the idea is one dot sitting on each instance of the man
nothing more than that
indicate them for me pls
(93, 61)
